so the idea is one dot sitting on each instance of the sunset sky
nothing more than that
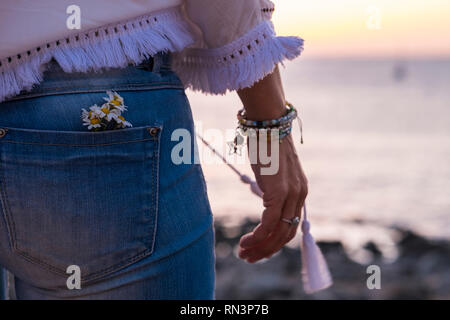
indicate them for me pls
(364, 28)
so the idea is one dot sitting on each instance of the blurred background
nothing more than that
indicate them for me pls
(373, 90)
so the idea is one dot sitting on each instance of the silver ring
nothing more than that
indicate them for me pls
(293, 221)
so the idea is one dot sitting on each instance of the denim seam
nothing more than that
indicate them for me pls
(205, 190)
(210, 226)
(154, 84)
(79, 145)
(6, 213)
(91, 276)
(98, 274)
(156, 193)
(124, 87)
(184, 176)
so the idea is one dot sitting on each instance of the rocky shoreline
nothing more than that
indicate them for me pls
(420, 271)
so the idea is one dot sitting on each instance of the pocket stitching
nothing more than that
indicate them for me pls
(156, 193)
(149, 251)
(68, 134)
(78, 145)
(10, 223)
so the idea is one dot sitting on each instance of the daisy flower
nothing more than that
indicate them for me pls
(92, 123)
(108, 112)
(97, 111)
(122, 122)
(121, 108)
(99, 118)
(115, 101)
(85, 114)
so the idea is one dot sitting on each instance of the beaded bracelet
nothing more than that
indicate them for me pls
(252, 127)
(291, 115)
(283, 130)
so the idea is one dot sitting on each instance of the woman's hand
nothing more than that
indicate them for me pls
(284, 196)
(286, 190)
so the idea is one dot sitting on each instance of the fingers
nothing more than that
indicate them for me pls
(269, 220)
(292, 233)
(274, 244)
(283, 233)
(293, 230)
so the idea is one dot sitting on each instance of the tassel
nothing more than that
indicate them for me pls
(315, 273)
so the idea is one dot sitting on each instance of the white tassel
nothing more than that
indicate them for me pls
(315, 273)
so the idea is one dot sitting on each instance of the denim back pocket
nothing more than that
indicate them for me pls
(80, 198)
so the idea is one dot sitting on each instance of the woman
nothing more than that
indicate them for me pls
(112, 207)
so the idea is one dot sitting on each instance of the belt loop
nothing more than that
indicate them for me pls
(157, 62)
(162, 60)
(169, 60)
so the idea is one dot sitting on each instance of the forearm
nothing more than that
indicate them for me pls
(265, 99)
(285, 188)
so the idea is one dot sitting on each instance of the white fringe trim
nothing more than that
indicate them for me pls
(238, 64)
(109, 46)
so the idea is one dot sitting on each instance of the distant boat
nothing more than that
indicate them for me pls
(399, 72)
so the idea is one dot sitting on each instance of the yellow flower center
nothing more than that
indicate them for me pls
(95, 121)
(105, 110)
(121, 118)
(116, 102)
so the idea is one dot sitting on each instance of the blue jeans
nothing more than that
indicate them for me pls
(112, 202)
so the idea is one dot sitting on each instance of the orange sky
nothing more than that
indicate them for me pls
(363, 28)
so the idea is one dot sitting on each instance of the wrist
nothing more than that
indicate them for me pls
(267, 111)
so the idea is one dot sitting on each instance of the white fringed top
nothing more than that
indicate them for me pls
(217, 45)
